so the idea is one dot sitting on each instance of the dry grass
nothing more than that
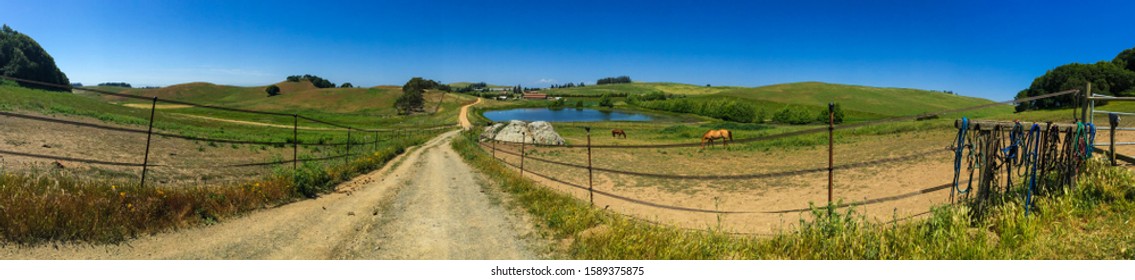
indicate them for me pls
(56, 207)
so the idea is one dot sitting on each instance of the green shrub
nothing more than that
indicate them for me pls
(793, 115)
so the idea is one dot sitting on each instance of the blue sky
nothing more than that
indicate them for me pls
(989, 49)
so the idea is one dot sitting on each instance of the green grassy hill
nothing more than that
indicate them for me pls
(364, 107)
(858, 102)
(867, 100)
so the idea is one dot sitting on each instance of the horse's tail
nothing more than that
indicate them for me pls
(730, 133)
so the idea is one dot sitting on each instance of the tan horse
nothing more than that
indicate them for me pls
(616, 132)
(712, 134)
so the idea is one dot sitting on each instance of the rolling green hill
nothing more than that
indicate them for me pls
(858, 102)
(355, 106)
(868, 100)
(302, 96)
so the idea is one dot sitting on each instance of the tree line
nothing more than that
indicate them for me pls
(567, 85)
(317, 81)
(116, 84)
(22, 57)
(614, 80)
(1115, 77)
(733, 110)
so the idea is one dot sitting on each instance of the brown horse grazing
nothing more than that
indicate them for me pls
(616, 132)
(712, 134)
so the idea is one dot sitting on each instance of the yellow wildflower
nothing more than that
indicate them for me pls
(113, 187)
(122, 194)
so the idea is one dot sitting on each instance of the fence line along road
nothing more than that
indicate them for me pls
(709, 211)
(730, 177)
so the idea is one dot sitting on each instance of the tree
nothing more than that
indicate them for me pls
(346, 85)
(605, 101)
(1106, 78)
(115, 84)
(614, 80)
(272, 90)
(317, 81)
(838, 117)
(22, 57)
(793, 115)
(1125, 59)
(411, 99)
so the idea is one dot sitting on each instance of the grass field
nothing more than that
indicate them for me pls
(196, 181)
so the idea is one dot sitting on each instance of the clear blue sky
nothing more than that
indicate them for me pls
(988, 49)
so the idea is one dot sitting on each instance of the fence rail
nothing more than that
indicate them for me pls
(294, 141)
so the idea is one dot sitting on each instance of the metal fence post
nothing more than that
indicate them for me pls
(831, 145)
(494, 141)
(590, 190)
(149, 133)
(1113, 120)
(376, 140)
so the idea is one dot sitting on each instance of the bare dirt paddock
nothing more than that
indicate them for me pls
(899, 176)
(37, 147)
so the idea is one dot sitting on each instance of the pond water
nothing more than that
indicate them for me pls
(564, 115)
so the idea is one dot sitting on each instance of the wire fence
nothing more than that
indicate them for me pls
(111, 150)
(983, 152)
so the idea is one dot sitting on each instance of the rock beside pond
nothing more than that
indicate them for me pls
(540, 132)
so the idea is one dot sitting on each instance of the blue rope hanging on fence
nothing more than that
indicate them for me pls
(1032, 151)
(1091, 141)
(1011, 152)
(959, 147)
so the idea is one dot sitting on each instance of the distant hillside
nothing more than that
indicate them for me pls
(293, 96)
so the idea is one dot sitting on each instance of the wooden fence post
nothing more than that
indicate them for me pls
(347, 160)
(1084, 109)
(523, 138)
(295, 142)
(149, 134)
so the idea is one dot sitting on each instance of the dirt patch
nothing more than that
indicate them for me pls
(263, 124)
(179, 161)
(159, 106)
(902, 184)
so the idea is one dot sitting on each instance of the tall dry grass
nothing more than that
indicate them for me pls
(51, 207)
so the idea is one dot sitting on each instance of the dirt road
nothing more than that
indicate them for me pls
(428, 204)
(464, 116)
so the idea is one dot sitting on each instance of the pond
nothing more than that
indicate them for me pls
(564, 115)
